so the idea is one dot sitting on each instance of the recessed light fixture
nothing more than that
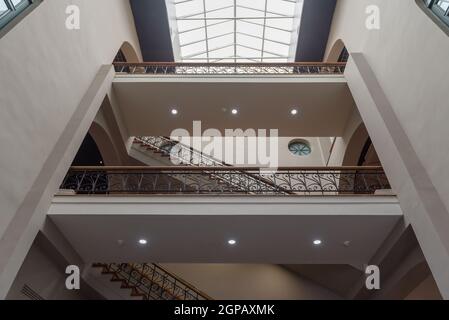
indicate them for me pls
(294, 112)
(174, 112)
(317, 242)
(143, 241)
(232, 242)
(234, 111)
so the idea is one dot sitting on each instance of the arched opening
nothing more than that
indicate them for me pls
(344, 55)
(126, 53)
(360, 150)
(88, 154)
(129, 53)
(96, 150)
(368, 155)
(104, 145)
(338, 52)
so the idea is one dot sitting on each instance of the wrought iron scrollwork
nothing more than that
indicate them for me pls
(160, 68)
(225, 180)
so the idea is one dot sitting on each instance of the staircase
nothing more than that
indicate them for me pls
(151, 282)
(185, 155)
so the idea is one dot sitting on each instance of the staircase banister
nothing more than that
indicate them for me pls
(185, 283)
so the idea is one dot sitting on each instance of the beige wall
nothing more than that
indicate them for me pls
(397, 75)
(409, 57)
(45, 70)
(426, 290)
(249, 281)
(44, 276)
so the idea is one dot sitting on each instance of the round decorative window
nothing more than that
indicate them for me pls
(300, 148)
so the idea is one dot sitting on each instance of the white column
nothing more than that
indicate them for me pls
(420, 201)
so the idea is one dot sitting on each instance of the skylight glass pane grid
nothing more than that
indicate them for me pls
(235, 30)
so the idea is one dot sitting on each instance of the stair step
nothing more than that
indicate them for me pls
(137, 291)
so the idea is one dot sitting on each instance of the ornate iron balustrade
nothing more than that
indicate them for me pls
(152, 282)
(189, 156)
(191, 180)
(294, 69)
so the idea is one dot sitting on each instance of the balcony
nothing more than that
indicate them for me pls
(224, 180)
(195, 228)
(208, 92)
(207, 69)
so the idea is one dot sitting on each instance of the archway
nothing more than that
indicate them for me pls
(336, 52)
(360, 150)
(104, 144)
(88, 154)
(127, 53)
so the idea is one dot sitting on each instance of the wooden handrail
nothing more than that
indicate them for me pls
(185, 283)
(191, 168)
(249, 64)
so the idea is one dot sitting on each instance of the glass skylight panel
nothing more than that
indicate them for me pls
(234, 30)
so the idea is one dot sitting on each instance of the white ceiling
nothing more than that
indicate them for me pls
(325, 104)
(234, 30)
(183, 229)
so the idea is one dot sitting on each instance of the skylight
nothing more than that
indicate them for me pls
(232, 31)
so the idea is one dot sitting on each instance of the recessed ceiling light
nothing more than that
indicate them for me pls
(232, 242)
(294, 112)
(234, 111)
(317, 242)
(174, 112)
(143, 241)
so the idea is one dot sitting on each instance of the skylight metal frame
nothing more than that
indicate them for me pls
(263, 48)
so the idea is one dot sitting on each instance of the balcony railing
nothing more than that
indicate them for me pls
(152, 282)
(168, 68)
(219, 180)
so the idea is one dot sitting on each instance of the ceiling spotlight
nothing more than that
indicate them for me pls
(294, 112)
(232, 242)
(234, 111)
(174, 112)
(317, 242)
(143, 241)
